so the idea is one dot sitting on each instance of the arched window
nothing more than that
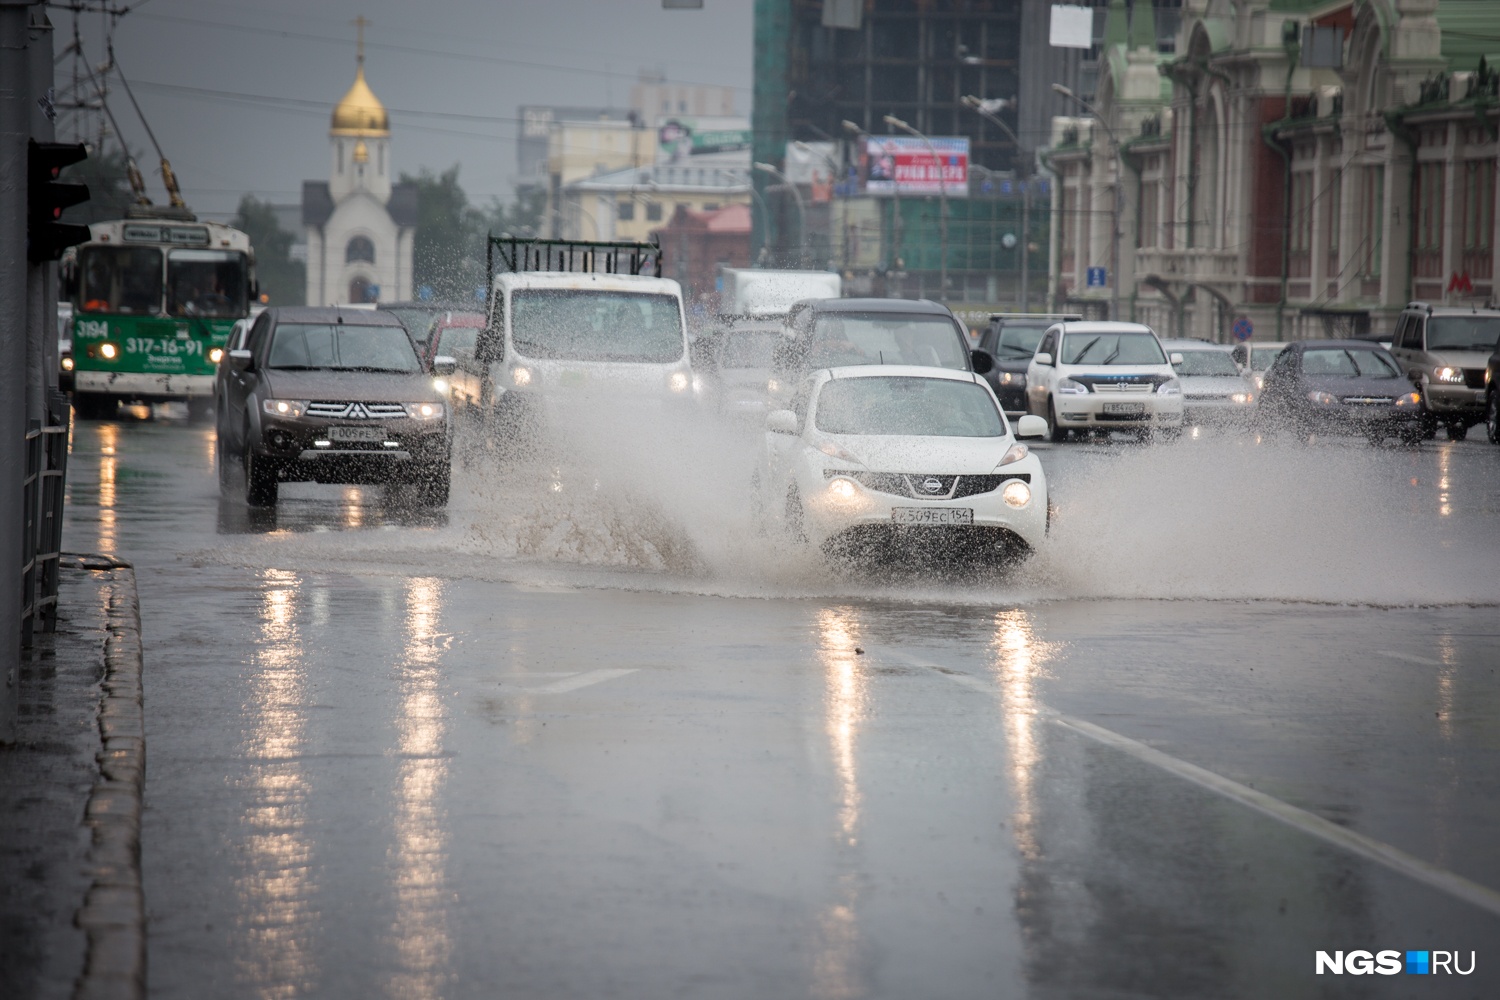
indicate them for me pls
(360, 248)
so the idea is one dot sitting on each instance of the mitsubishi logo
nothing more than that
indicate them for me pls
(932, 484)
(357, 412)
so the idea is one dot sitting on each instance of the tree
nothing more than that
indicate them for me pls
(108, 183)
(447, 248)
(282, 280)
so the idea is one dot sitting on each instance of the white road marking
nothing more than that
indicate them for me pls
(1300, 819)
(1409, 658)
(573, 682)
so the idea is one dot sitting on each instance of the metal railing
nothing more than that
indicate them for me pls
(42, 508)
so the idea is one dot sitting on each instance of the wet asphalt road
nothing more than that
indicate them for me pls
(546, 745)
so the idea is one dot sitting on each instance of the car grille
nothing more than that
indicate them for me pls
(1367, 400)
(1474, 378)
(1117, 388)
(1118, 384)
(914, 484)
(356, 411)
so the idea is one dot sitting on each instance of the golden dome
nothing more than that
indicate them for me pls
(360, 112)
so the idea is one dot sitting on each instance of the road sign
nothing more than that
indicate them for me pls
(1098, 277)
(1243, 328)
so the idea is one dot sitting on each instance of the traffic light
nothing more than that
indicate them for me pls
(47, 236)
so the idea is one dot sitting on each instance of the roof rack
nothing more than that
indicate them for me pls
(579, 256)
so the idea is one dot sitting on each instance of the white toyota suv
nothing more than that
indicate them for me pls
(1104, 377)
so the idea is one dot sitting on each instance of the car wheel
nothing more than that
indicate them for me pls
(1492, 417)
(94, 405)
(1411, 435)
(1375, 435)
(433, 490)
(221, 461)
(1428, 424)
(200, 409)
(1055, 432)
(260, 478)
(1457, 431)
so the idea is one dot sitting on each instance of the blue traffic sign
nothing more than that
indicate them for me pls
(1098, 277)
(1243, 328)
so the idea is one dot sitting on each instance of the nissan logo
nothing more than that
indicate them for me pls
(932, 484)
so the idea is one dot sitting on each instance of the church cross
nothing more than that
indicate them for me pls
(360, 23)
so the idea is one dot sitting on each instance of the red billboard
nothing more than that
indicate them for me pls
(905, 165)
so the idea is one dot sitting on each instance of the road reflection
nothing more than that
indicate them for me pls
(837, 964)
(1018, 660)
(354, 508)
(421, 937)
(108, 539)
(276, 913)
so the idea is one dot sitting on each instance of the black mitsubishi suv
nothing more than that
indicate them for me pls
(332, 395)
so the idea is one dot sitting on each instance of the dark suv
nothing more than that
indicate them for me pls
(1011, 339)
(332, 395)
(832, 333)
(1444, 350)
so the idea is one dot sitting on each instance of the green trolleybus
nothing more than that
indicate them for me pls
(154, 301)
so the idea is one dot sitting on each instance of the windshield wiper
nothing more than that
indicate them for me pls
(296, 368)
(1112, 354)
(374, 368)
(1078, 358)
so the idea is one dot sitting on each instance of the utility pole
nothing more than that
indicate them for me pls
(895, 122)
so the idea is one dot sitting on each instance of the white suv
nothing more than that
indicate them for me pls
(1103, 377)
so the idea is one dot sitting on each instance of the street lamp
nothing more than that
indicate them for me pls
(1119, 186)
(833, 176)
(895, 263)
(766, 168)
(895, 122)
(987, 109)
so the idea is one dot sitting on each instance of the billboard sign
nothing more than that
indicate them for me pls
(905, 165)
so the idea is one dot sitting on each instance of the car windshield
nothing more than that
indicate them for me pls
(457, 341)
(207, 283)
(120, 280)
(1111, 349)
(932, 341)
(907, 406)
(1261, 357)
(343, 346)
(587, 325)
(1018, 341)
(417, 319)
(1351, 362)
(747, 349)
(1207, 363)
(1463, 333)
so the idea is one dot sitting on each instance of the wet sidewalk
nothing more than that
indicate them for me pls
(71, 908)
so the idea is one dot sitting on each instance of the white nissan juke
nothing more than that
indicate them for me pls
(880, 456)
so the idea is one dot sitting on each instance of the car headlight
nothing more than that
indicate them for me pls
(1259, 378)
(1069, 387)
(424, 411)
(679, 382)
(521, 376)
(1411, 400)
(834, 450)
(1171, 387)
(1016, 493)
(283, 407)
(1323, 398)
(1449, 376)
(67, 363)
(772, 385)
(108, 351)
(1015, 453)
(1242, 397)
(842, 489)
(441, 385)
(216, 354)
(1013, 378)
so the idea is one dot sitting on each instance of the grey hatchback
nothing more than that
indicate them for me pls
(331, 395)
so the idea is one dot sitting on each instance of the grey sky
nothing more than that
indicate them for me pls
(239, 93)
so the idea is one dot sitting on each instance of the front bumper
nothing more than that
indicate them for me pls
(1090, 410)
(147, 388)
(1453, 400)
(827, 519)
(309, 448)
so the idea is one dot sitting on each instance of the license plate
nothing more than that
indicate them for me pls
(1132, 409)
(356, 433)
(932, 515)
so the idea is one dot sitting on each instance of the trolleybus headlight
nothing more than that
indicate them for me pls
(283, 407)
(67, 364)
(216, 354)
(1016, 493)
(424, 411)
(107, 351)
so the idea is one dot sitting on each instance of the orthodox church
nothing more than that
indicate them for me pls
(359, 225)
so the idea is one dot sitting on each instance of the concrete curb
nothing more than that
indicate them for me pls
(113, 915)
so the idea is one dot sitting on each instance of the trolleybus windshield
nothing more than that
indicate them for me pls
(206, 283)
(121, 280)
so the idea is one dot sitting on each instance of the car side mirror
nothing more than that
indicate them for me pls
(982, 361)
(781, 422)
(444, 365)
(241, 360)
(1043, 358)
(1031, 427)
(1175, 357)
